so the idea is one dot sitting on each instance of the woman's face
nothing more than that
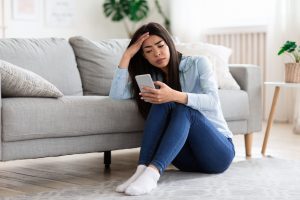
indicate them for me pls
(156, 51)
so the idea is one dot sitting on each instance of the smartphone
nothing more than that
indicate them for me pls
(144, 80)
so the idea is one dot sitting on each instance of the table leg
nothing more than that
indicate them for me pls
(270, 120)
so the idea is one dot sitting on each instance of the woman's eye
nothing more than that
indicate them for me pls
(148, 51)
(160, 46)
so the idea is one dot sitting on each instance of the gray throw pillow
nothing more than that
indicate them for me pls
(97, 61)
(19, 82)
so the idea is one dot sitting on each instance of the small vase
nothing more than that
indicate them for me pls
(292, 72)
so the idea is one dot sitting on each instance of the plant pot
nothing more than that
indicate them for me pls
(292, 72)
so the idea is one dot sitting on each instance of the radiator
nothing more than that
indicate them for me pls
(248, 44)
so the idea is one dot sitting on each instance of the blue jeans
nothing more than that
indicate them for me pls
(175, 133)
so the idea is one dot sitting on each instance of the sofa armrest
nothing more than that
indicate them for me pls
(249, 79)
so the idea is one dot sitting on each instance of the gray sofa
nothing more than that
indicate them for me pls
(85, 119)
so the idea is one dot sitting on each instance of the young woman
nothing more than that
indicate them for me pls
(184, 121)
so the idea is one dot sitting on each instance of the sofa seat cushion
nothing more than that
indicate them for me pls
(33, 118)
(235, 104)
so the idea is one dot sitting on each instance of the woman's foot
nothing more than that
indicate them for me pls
(123, 186)
(145, 183)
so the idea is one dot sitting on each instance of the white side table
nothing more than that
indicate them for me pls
(277, 85)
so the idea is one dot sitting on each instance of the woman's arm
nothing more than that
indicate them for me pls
(121, 84)
(208, 98)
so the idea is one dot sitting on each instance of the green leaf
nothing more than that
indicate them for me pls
(135, 10)
(126, 6)
(138, 10)
(113, 9)
(289, 47)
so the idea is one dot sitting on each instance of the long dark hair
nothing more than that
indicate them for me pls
(139, 65)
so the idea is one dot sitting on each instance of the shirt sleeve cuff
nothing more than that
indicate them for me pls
(192, 100)
(122, 72)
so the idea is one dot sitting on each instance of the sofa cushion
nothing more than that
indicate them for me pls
(218, 55)
(97, 62)
(19, 82)
(32, 118)
(235, 104)
(51, 58)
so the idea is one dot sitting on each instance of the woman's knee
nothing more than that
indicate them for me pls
(167, 105)
(175, 106)
(181, 108)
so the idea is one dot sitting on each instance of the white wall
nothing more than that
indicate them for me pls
(1, 19)
(88, 20)
(191, 18)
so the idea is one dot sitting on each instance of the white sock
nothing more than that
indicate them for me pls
(139, 170)
(146, 182)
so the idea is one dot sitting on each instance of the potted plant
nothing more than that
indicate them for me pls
(292, 69)
(131, 12)
(127, 11)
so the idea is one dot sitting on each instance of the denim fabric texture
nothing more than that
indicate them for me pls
(176, 133)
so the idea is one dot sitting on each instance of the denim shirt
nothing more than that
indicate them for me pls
(197, 81)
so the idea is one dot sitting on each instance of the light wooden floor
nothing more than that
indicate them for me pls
(36, 175)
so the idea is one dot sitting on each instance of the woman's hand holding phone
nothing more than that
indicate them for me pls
(163, 95)
(150, 94)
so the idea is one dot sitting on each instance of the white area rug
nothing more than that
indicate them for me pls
(265, 178)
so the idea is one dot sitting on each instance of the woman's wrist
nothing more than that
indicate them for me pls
(124, 63)
(180, 97)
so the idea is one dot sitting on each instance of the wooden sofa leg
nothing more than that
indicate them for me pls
(248, 143)
(107, 159)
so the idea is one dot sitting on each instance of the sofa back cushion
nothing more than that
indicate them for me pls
(97, 61)
(218, 55)
(51, 58)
